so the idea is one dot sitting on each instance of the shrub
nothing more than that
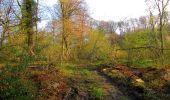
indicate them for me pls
(14, 85)
(97, 48)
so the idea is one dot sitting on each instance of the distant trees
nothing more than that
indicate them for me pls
(109, 27)
(143, 22)
(112, 27)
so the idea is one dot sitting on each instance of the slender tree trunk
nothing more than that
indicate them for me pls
(62, 43)
(161, 36)
(64, 20)
(4, 30)
(2, 38)
(36, 27)
(161, 40)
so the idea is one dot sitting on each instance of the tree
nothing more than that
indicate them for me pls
(5, 11)
(72, 14)
(161, 7)
(109, 27)
(27, 23)
(121, 25)
(112, 27)
(36, 18)
(143, 22)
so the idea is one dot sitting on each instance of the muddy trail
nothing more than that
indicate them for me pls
(98, 86)
(74, 83)
(110, 90)
(128, 93)
(101, 83)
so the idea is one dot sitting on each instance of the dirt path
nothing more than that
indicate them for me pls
(111, 92)
(91, 84)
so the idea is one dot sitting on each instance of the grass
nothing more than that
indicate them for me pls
(86, 79)
(72, 70)
(97, 92)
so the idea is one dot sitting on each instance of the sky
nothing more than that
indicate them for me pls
(115, 10)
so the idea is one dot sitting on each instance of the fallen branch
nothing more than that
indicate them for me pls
(146, 47)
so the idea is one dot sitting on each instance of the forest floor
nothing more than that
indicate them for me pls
(73, 82)
(105, 83)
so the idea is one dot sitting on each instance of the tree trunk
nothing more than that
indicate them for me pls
(161, 40)
(36, 26)
(27, 23)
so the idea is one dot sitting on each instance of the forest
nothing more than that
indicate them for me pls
(74, 56)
